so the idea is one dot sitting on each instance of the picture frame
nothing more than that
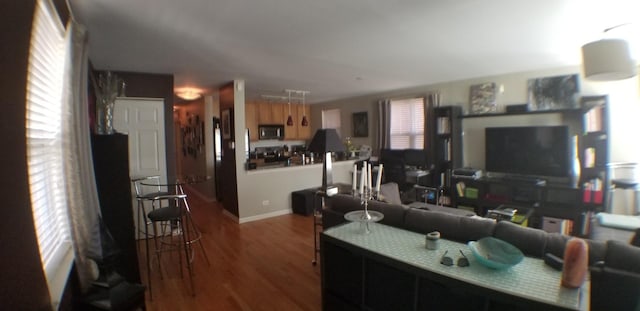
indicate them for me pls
(554, 93)
(360, 124)
(225, 123)
(482, 98)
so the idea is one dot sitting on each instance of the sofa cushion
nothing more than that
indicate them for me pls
(390, 193)
(476, 228)
(342, 204)
(529, 240)
(393, 213)
(622, 256)
(424, 221)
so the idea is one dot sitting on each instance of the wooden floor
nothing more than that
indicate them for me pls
(260, 265)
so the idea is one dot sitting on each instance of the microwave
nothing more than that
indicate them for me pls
(271, 131)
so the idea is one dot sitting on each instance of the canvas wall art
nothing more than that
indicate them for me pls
(483, 98)
(549, 93)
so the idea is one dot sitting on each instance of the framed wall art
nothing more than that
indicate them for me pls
(225, 122)
(482, 98)
(559, 92)
(360, 124)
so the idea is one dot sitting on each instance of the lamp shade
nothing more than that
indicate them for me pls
(607, 60)
(326, 140)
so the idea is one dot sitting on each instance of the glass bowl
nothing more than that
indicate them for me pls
(495, 253)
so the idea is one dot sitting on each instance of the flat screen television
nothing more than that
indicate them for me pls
(543, 151)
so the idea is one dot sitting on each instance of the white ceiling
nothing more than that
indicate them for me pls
(341, 48)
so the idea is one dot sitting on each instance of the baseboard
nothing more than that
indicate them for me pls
(228, 214)
(265, 216)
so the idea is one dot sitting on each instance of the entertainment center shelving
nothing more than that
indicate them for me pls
(446, 148)
(573, 201)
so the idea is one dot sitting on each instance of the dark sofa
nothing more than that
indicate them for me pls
(614, 265)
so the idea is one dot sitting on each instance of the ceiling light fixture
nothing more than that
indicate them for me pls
(188, 94)
(305, 122)
(289, 118)
(608, 59)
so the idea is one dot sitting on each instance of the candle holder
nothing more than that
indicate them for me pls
(364, 216)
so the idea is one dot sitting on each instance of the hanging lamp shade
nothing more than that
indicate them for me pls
(289, 121)
(607, 60)
(305, 122)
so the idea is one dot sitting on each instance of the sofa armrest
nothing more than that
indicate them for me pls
(331, 218)
(614, 289)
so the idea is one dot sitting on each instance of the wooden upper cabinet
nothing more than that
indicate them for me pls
(251, 119)
(304, 132)
(264, 113)
(277, 113)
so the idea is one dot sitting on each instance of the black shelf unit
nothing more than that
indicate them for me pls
(111, 166)
(446, 148)
(594, 152)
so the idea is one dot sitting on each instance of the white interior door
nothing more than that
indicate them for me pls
(143, 120)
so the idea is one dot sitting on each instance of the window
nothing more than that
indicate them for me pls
(331, 119)
(407, 124)
(44, 145)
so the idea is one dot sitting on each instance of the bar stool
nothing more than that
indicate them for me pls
(624, 176)
(146, 193)
(174, 220)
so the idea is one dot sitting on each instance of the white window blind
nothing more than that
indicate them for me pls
(44, 140)
(407, 123)
(331, 119)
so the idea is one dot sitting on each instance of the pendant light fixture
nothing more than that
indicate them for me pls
(289, 118)
(608, 59)
(305, 122)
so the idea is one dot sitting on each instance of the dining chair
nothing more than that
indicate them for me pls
(146, 188)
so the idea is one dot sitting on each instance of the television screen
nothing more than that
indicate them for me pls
(531, 150)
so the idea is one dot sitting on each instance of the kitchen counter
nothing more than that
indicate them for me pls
(262, 165)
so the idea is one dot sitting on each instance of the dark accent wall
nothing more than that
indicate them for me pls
(22, 282)
(155, 86)
(228, 179)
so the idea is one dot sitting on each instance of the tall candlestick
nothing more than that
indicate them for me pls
(369, 184)
(354, 183)
(363, 172)
(379, 178)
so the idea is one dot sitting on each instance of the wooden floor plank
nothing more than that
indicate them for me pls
(260, 265)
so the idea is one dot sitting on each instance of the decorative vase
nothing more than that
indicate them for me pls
(576, 260)
(104, 117)
(108, 88)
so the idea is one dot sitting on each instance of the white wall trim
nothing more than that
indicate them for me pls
(265, 216)
(228, 214)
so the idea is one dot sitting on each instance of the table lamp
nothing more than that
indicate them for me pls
(326, 141)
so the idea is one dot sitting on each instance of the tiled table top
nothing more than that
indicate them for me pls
(530, 279)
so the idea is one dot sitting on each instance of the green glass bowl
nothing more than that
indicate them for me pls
(495, 253)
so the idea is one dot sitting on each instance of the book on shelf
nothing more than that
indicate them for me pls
(444, 127)
(594, 119)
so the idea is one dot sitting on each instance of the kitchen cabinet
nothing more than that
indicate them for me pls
(251, 119)
(262, 112)
(277, 113)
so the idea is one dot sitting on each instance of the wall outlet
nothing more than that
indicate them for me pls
(265, 202)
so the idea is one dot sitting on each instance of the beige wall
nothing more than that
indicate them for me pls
(624, 107)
